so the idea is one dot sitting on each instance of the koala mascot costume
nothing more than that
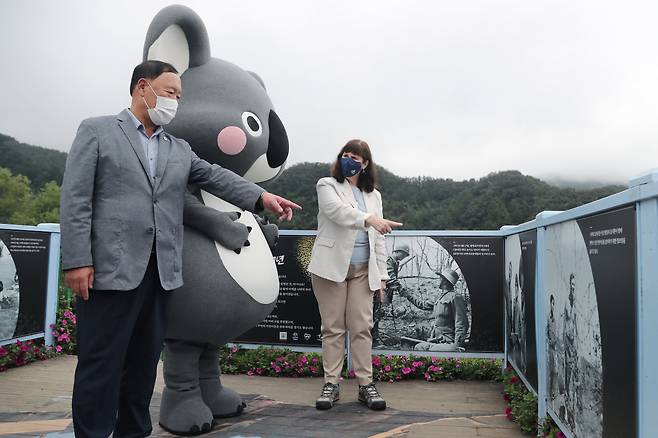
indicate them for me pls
(231, 281)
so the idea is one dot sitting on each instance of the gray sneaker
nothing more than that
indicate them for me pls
(369, 395)
(330, 395)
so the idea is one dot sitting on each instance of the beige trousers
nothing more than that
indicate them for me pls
(346, 306)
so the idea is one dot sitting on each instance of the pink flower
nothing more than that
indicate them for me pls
(58, 348)
(64, 322)
(234, 349)
(514, 379)
(561, 435)
(52, 326)
(376, 361)
(259, 371)
(280, 359)
(440, 369)
(387, 368)
(406, 370)
(507, 397)
(250, 373)
(277, 369)
(417, 364)
(3, 352)
(303, 360)
(434, 359)
(25, 348)
(314, 369)
(352, 374)
(458, 365)
(314, 360)
(508, 413)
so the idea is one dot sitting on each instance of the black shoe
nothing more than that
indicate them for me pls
(330, 395)
(369, 395)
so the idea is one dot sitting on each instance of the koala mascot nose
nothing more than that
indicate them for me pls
(231, 140)
(277, 149)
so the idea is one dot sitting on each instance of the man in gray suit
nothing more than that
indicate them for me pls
(122, 229)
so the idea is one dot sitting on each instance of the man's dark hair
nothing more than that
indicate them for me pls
(150, 70)
(367, 177)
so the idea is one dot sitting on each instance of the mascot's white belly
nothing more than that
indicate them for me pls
(254, 268)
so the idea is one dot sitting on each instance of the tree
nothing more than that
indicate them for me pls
(15, 195)
(18, 205)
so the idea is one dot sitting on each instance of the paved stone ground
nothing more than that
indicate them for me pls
(35, 402)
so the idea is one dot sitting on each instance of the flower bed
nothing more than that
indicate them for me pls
(522, 407)
(23, 353)
(274, 362)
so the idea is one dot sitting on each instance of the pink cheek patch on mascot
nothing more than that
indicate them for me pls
(231, 281)
(231, 140)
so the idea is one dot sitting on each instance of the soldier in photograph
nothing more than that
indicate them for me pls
(450, 327)
(380, 301)
(570, 334)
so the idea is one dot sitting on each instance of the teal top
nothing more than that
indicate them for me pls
(361, 252)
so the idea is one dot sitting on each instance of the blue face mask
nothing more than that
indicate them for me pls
(349, 166)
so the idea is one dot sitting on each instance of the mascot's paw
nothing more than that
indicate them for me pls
(184, 412)
(270, 231)
(236, 235)
(223, 402)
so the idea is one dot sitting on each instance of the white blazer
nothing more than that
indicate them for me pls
(339, 219)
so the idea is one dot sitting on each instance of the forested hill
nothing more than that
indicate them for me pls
(497, 199)
(501, 198)
(39, 165)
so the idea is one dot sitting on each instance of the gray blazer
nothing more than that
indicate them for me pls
(112, 210)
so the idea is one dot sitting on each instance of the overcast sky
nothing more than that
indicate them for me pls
(438, 88)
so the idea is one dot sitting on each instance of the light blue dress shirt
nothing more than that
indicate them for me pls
(361, 252)
(150, 145)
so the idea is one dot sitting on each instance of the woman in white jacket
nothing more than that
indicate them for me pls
(348, 264)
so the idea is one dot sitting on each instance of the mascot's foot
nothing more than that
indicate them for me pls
(223, 402)
(184, 412)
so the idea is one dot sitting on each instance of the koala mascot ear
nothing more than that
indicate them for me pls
(178, 36)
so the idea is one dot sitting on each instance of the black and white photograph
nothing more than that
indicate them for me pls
(590, 323)
(610, 239)
(429, 299)
(520, 259)
(573, 334)
(426, 305)
(9, 293)
(24, 281)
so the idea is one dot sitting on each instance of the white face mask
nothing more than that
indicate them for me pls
(164, 111)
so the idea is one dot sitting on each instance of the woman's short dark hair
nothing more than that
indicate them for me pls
(368, 176)
(150, 70)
